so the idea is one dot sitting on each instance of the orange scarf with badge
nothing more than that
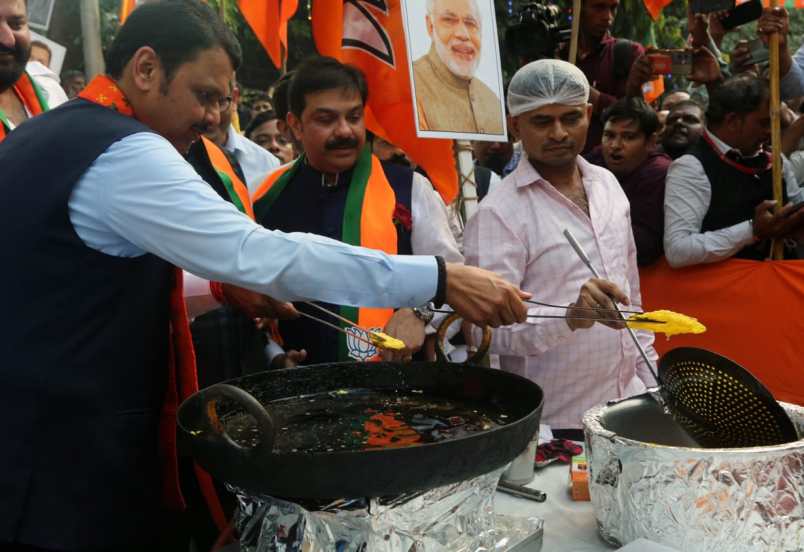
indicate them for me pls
(182, 379)
(31, 97)
(368, 221)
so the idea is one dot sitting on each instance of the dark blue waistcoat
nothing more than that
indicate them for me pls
(84, 350)
(306, 206)
(735, 195)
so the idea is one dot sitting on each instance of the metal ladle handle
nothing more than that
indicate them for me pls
(585, 258)
(215, 430)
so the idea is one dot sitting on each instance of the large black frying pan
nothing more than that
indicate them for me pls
(361, 473)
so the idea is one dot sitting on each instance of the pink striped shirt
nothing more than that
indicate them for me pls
(518, 233)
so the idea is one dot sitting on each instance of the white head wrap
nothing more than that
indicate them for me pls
(545, 82)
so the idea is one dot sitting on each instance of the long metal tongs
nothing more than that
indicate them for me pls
(585, 258)
(338, 328)
(334, 327)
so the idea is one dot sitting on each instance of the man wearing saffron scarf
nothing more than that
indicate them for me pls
(97, 357)
(338, 189)
(20, 96)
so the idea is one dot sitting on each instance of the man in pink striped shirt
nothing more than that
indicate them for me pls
(518, 233)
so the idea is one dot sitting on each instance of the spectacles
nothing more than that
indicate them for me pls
(213, 101)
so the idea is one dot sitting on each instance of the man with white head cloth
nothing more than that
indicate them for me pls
(518, 232)
(449, 97)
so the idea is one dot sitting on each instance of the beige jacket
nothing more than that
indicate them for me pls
(449, 103)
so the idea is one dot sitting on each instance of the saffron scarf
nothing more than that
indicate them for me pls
(31, 97)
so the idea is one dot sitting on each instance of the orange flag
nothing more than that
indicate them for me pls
(655, 7)
(269, 21)
(126, 7)
(751, 309)
(369, 34)
(652, 90)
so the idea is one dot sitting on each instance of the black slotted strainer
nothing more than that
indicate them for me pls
(719, 403)
(711, 399)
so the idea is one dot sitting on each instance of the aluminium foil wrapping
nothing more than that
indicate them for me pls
(696, 500)
(453, 518)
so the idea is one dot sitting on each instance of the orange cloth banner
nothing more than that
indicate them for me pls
(269, 21)
(782, 3)
(370, 35)
(655, 7)
(753, 312)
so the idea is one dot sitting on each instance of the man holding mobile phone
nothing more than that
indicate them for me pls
(614, 67)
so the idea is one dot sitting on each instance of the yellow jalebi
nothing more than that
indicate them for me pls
(667, 322)
(385, 341)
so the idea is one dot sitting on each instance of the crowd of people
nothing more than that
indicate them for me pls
(288, 198)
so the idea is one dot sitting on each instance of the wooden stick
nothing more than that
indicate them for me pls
(576, 31)
(777, 247)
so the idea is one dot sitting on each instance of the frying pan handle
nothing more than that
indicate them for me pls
(441, 335)
(215, 429)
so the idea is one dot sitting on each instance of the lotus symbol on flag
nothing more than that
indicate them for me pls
(358, 343)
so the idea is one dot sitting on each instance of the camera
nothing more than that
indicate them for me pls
(536, 30)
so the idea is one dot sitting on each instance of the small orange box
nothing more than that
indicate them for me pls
(579, 478)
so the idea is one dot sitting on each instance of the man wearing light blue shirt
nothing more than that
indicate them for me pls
(99, 207)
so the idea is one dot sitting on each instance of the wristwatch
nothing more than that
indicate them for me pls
(424, 313)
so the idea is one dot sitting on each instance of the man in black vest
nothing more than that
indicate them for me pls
(327, 100)
(99, 208)
(719, 196)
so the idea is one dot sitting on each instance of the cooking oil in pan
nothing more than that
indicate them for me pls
(360, 419)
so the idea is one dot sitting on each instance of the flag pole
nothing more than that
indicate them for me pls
(576, 31)
(777, 247)
(467, 185)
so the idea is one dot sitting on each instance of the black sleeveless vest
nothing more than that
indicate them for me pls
(735, 195)
(84, 350)
(306, 206)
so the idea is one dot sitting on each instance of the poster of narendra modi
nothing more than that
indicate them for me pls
(454, 59)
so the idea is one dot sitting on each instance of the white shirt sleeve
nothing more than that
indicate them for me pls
(255, 161)
(141, 196)
(49, 82)
(686, 201)
(792, 84)
(431, 233)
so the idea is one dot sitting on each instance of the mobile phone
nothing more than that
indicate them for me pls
(742, 14)
(676, 62)
(709, 6)
(759, 52)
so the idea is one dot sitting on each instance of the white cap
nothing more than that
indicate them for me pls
(545, 82)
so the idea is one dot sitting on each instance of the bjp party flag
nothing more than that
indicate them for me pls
(126, 7)
(369, 34)
(269, 21)
(655, 7)
(652, 90)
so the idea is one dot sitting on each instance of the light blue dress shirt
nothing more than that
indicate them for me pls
(141, 196)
